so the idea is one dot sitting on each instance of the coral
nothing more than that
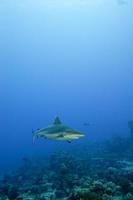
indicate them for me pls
(125, 184)
(65, 176)
(10, 191)
(118, 198)
(4, 198)
(84, 194)
(47, 196)
(106, 197)
(97, 187)
(129, 196)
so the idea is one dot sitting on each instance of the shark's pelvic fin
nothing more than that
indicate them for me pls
(57, 121)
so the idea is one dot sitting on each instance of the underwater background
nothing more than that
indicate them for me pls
(72, 59)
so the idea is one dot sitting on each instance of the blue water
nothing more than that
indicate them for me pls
(68, 58)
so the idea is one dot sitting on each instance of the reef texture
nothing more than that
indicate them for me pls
(93, 172)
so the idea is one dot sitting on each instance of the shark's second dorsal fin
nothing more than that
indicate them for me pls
(57, 121)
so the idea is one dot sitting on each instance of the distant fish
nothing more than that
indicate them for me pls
(57, 131)
(122, 2)
(86, 124)
(130, 124)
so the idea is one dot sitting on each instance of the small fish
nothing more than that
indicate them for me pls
(86, 124)
(57, 131)
(122, 2)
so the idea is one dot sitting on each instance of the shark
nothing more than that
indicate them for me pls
(57, 131)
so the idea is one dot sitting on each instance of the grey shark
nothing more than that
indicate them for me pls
(57, 131)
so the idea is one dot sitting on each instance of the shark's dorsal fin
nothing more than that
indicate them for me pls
(57, 121)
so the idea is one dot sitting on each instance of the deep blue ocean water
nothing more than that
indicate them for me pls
(72, 59)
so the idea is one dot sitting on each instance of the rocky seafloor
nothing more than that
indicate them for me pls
(95, 172)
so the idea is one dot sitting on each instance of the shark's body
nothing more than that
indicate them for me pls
(58, 131)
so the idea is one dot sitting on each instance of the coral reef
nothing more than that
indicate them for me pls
(98, 172)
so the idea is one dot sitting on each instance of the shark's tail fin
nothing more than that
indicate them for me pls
(33, 137)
